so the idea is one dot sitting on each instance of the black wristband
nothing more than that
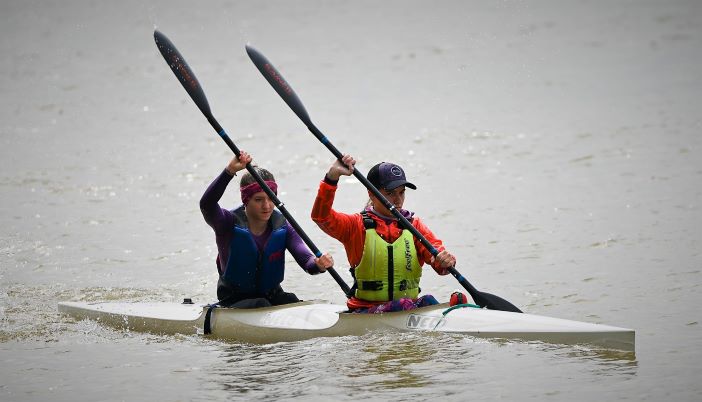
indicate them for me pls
(330, 181)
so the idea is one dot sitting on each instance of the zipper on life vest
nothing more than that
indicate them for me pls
(391, 274)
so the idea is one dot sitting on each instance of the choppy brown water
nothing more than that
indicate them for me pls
(556, 146)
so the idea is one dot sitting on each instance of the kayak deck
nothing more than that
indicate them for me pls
(311, 319)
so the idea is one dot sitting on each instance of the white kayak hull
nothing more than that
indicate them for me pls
(306, 320)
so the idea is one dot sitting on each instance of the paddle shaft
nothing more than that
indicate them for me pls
(187, 78)
(281, 86)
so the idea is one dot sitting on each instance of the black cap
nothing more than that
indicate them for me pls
(388, 176)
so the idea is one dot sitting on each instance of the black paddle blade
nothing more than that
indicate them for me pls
(483, 299)
(279, 84)
(181, 70)
(493, 302)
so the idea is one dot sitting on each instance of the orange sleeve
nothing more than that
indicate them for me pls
(347, 228)
(424, 254)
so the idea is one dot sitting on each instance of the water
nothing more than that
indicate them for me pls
(555, 145)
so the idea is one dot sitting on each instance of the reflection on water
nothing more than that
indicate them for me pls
(251, 369)
(584, 351)
(394, 360)
(374, 362)
(393, 365)
(607, 361)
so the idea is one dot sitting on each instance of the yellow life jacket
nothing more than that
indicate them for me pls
(384, 264)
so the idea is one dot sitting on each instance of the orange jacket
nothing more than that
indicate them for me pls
(349, 229)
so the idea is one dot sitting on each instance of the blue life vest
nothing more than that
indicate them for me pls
(250, 271)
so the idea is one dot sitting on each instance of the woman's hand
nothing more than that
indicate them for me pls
(343, 167)
(324, 262)
(443, 260)
(237, 164)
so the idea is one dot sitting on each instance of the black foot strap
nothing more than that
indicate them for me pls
(208, 315)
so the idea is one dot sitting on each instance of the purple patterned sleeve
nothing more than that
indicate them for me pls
(300, 252)
(214, 215)
(220, 219)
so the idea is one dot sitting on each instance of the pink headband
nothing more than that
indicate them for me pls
(248, 191)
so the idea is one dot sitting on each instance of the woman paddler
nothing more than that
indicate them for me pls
(386, 259)
(252, 240)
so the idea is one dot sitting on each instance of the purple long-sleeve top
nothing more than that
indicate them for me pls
(222, 221)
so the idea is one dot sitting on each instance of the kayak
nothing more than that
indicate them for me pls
(312, 319)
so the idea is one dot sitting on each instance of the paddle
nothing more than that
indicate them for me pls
(286, 92)
(186, 77)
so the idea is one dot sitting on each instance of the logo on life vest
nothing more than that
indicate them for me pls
(416, 321)
(276, 255)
